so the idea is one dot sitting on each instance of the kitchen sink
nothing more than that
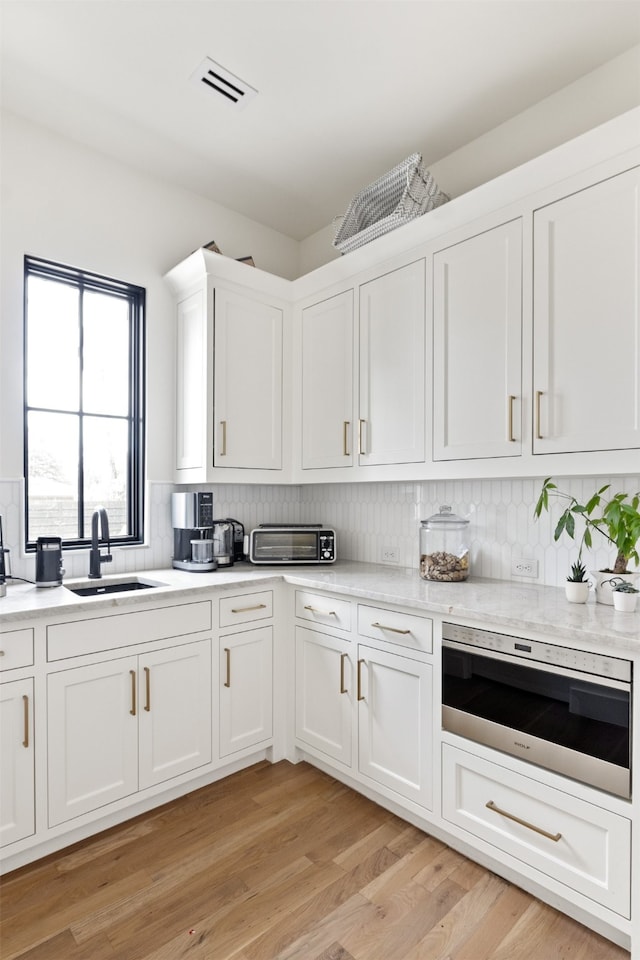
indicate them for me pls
(100, 588)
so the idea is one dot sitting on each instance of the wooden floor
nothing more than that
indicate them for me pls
(277, 862)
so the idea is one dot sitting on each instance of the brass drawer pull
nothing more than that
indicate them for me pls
(227, 653)
(523, 823)
(381, 626)
(359, 693)
(147, 686)
(25, 703)
(258, 606)
(132, 674)
(510, 436)
(323, 613)
(343, 657)
(538, 398)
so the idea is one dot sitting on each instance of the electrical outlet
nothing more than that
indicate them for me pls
(523, 567)
(389, 555)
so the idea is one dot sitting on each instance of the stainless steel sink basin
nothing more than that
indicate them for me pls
(103, 587)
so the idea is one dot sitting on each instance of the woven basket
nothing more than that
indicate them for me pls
(402, 194)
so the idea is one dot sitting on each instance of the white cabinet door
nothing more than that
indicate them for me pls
(395, 723)
(327, 383)
(246, 689)
(192, 356)
(17, 786)
(392, 367)
(174, 711)
(247, 382)
(477, 330)
(92, 737)
(325, 694)
(586, 319)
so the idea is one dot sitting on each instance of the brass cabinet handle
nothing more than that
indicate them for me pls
(361, 424)
(25, 704)
(257, 606)
(359, 693)
(147, 687)
(523, 823)
(538, 398)
(345, 434)
(227, 653)
(1, 653)
(343, 657)
(132, 674)
(223, 450)
(510, 436)
(323, 613)
(381, 626)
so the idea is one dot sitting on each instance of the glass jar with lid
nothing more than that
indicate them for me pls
(444, 547)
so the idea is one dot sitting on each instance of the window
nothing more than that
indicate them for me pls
(84, 404)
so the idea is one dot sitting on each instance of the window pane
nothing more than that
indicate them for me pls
(53, 475)
(53, 372)
(105, 472)
(106, 354)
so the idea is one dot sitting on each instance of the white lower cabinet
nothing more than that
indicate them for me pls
(120, 726)
(578, 844)
(325, 695)
(246, 689)
(367, 708)
(17, 785)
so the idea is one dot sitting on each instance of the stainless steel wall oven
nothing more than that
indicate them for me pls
(563, 709)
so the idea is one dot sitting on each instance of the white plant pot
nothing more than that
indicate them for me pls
(626, 602)
(576, 591)
(602, 583)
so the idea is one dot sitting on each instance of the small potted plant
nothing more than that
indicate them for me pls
(577, 585)
(625, 595)
(616, 518)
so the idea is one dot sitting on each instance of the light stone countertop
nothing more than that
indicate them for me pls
(501, 605)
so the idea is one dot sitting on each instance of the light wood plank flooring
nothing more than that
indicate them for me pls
(276, 862)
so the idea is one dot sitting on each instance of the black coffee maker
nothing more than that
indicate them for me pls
(49, 570)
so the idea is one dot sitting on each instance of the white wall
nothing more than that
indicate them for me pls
(65, 203)
(599, 96)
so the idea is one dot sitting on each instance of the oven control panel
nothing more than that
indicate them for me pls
(501, 643)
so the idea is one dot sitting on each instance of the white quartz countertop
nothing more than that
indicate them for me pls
(501, 605)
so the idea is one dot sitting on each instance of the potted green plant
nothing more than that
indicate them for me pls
(625, 595)
(616, 517)
(577, 585)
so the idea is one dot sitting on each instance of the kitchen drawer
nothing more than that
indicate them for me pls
(405, 629)
(246, 608)
(576, 843)
(16, 649)
(326, 611)
(126, 629)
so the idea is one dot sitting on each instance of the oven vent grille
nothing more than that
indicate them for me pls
(226, 86)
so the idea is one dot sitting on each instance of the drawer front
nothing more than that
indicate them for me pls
(246, 608)
(126, 629)
(576, 843)
(405, 629)
(16, 649)
(325, 611)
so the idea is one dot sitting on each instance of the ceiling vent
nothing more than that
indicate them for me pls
(215, 79)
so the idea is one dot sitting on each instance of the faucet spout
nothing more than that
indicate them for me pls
(96, 559)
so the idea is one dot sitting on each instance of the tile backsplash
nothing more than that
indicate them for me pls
(368, 518)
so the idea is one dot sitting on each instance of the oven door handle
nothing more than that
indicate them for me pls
(523, 823)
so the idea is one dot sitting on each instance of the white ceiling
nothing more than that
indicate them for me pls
(347, 88)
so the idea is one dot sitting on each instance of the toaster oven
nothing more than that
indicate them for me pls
(272, 543)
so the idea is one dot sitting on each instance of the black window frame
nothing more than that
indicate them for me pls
(84, 280)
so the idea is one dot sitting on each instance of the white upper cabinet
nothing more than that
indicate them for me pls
(477, 336)
(586, 319)
(391, 425)
(247, 382)
(327, 383)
